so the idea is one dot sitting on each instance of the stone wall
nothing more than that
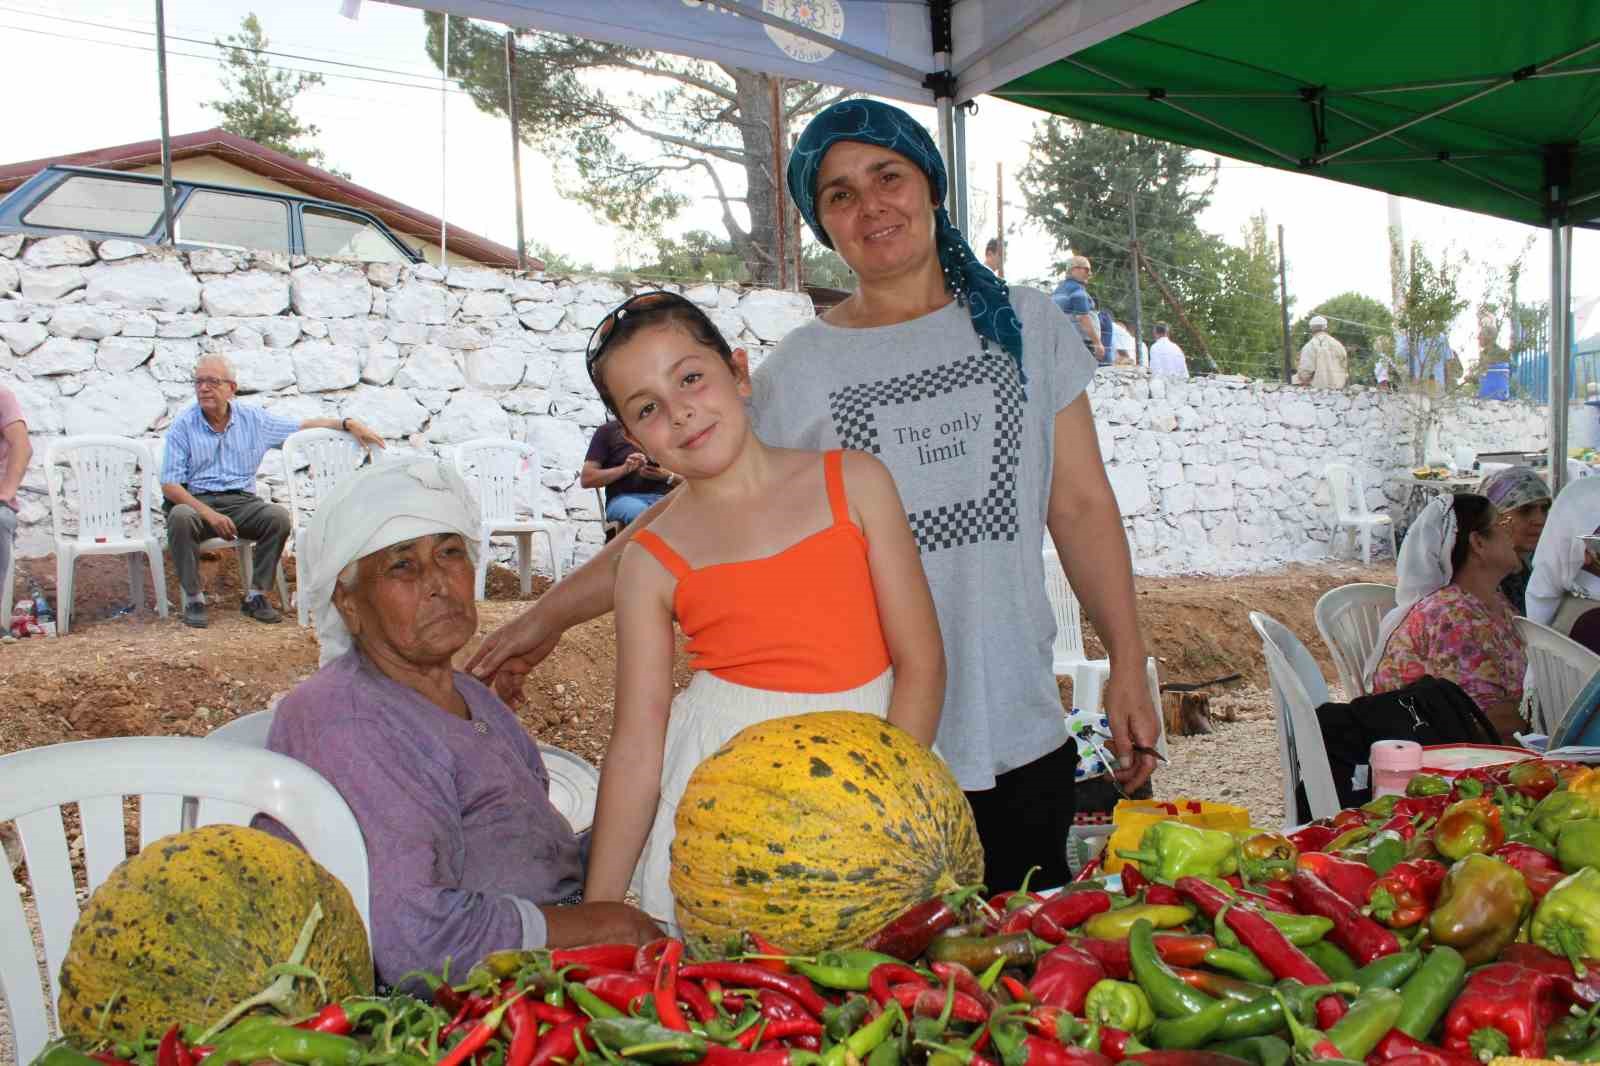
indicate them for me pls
(1217, 475)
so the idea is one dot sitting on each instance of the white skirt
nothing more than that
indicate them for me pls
(704, 717)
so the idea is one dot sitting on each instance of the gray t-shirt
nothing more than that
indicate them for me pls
(972, 460)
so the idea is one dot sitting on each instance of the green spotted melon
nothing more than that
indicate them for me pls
(814, 830)
(191, 925)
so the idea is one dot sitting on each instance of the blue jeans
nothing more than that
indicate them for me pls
(627, 507)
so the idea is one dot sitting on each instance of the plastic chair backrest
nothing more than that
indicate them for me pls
(1561, 668)
(1298, 689)
(313, 462)
(1348, 618)
(1341, 479)
(495, 464)
(1064, 605)
(102, 466)
(172, 777)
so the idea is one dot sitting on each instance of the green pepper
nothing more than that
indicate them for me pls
(1171, 996)
(1386, 851)
(591, 1004)
(635, 1038)
(1578, 844)
(1428, 993)
(885, 1054)
(284, 1043)
(978, 953)
(1171, 849)
(1120, 1005)
(1240, 962)
(1382, 807)
(1422, 785)
(1257, 1050)
(1568, 919)
(1571, 1035)
(1371, 1016)
(843, 970)
(60, 1053)
(1114, 925)
(1558, 808)
(1264, 1014)
(842, 1020)
(1390, 971)
(1481, 904)
(1334, 962)
(869, 1037)
(1192, 1031)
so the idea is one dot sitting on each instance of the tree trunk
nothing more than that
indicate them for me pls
(757, 246)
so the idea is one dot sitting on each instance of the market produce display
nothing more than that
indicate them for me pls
(1457, 924)
(197, 921)
(815, 830)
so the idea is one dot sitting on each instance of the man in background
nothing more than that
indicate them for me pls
(1324, 363)
(1166, 358)
(992, 257)
(631, 480)
(1072, 296)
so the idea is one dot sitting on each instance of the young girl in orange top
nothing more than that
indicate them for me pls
(793, 574)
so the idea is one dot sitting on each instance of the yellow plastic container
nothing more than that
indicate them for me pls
(1131, 818)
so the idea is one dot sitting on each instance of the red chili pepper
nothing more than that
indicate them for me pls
(1499, 1012)
(1064, 976)
(172, 1051)
(524, 1025)
(1397, 1046)
(1361, 938)
(1220, 985)
(1406, 894)
(1114, 1043)
(1162, 895)
(479, 1035)
(1262, 937)
(447, 999)
(595, 957)
(1352, 880)
(1067, 911)
(665, 990)
(330, 1019)
(560, 1042)
(1420, 807)
(886, 975)
(907, 936)
(647, 955)
(474, 1006)
(1019, 920)
(1176, 949)
(717, 1055)
(806, 1043)
(1271, 895)
(1313, 838)
(1401, 824)
(1133, 880)
(921, 1001)
(965, 981)
(1037, 1051)
(1015, 989)
(745, 974)
(778, 1029)
(549, 1014)
(1584, 991)
(755, 944)
(621, 990)
(1542, 872)
(776, 1006)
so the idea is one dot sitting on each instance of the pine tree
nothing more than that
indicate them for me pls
(260, 101)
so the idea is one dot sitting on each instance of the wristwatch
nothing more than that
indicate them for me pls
(344, 424)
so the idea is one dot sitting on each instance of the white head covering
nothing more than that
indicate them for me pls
(1422, 569)
(367, 511)
(1318, 322)
(1558, 561)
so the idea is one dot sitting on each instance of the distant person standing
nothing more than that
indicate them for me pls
(1324, 364)
(1072, 296)
(1127, 352)
(1166, 358)
(1380, 371)
(992, 256)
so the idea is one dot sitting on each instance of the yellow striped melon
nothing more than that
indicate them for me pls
(814, 830)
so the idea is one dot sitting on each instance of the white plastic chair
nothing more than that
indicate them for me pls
(1350, 511)
(1298, 689)
(1559, 666)
(102, 467)
(313, 462)
(1348, 618)
(247, 557)
(1070, 660)
(176, 780)
(494, 464)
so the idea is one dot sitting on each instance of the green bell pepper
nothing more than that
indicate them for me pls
(1568, 919)
(1170, 850)
(1558, 808)
(1578, 844)
(1422, 785)
(1120, 1005)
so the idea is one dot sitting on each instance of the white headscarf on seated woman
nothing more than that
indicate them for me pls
(1558, 563)
(1422, 569)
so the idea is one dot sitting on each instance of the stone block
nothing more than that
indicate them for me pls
(211, 261)
(10, 245)
(463, 338)
(536, 291)
(178, 327)
(41, 408)
(391, 413)
(1169, 474)
(114, 250)
(562, 444)
(10, 279)
(332, 292)
(22, 337)
(380, 363)
(1292, 466)
(1180, 499)
(351, 331)
(408, 333)
(606, 293)
(730, 324)
(771, 315)
(1200, 474)
(384, 275)
(704, 295)
(586, 316)
(1129, 483)
(65, 250)
(478, 279)
(526, 401)
(60, 356)
(498, 367)
(148, 283)
(419, 301)
(121, 354)
(50, 283)
(314, 328)
(1217, 498)
(467, 416)
(323, 367)
(1297, 414)
(252, 292)
(263, 369)
(297, 408)
(567, 340)
(430, 367)
(128, 405)
(77, 322)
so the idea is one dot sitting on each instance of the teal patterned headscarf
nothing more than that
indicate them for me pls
(986, 297)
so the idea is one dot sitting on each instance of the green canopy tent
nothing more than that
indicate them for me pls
(1485, 106)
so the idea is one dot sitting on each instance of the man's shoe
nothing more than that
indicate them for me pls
(258, 608)
(194, 614)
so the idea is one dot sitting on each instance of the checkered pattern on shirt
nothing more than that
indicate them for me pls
(992, 516)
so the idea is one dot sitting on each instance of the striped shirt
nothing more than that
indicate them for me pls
(203, 460)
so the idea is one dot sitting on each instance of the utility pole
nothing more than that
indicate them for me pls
(166, 132)
(1283, 306)
(444, 154)
(1133, 246)
(1000, 217)
(516, 140)
(778, 211)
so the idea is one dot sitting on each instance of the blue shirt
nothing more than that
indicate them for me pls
(1074, 300)
(203, 460)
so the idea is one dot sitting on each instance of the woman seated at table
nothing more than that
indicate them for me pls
(1450, 619)
(1522, 500)
(1566, 576)
(466, 853)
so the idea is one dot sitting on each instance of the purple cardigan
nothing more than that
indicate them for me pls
(462, 841)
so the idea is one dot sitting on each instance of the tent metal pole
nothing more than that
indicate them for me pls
(1560, 348)
(166, 130)
(516, 140)
(947, 147)
(958, 176)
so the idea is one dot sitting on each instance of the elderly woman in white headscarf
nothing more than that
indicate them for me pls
(467, 854)
(1450, 619)
(1566, 575)
(1522, 500)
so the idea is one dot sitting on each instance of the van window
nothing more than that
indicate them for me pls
(102, 205)
(335, 235)
(226, 220)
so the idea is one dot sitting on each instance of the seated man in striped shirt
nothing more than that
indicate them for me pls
(208, 476)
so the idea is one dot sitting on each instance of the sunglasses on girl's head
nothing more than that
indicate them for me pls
(644, 301)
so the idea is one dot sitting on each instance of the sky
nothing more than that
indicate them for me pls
(81, 74)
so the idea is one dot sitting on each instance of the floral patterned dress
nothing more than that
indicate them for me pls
(1453, 635)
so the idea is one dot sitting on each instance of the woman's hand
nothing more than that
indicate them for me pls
(507, 655)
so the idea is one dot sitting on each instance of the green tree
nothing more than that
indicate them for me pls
(1430, 292)
(1077, 184)
(1230, 292)
(1363, 325)
(689, 116)
(696, 256)
(260, 100)
(558, 264)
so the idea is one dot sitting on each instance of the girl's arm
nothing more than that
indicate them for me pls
(905, 606)
(630, 780)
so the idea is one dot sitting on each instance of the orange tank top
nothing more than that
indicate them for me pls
(803, 620)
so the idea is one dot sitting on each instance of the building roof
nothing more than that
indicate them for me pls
(285, 169)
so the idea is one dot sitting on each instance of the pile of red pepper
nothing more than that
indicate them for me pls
(1450, 926)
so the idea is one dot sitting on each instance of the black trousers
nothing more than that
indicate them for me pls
(1024, 819)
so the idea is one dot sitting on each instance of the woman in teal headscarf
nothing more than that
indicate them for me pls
(1522, 500)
